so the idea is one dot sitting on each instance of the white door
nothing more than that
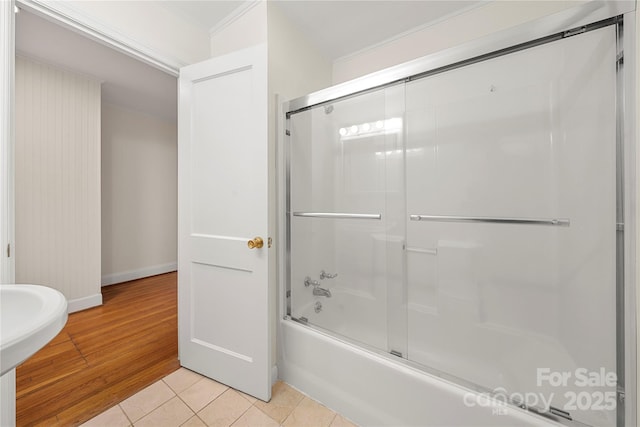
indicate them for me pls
(223, 311)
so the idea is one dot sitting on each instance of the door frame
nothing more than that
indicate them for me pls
(67, 17)
(7, 123)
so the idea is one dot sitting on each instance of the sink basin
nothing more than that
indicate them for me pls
(30, 317)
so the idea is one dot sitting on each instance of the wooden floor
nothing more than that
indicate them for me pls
(103, 355)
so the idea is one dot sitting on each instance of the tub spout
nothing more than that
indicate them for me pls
(321, 292)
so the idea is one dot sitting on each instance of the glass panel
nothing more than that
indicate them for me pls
(507, 306)
(347, 158)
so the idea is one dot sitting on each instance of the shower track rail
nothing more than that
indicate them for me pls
(337, 215)
(560, 222)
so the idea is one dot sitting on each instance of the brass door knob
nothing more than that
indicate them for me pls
(255, 243)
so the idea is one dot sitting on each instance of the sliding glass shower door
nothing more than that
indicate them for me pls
(466, 221)
(347, 217)
(511, 201)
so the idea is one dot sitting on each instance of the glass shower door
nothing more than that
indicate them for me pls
(466, 221)
(346, 215)
(511, 186)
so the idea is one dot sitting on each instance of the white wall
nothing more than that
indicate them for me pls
(295, 69)
(490, 18)
(139, 195)
(57, 181)
(247, 29)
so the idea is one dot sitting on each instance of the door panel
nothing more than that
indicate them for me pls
(497, 304)
(222, 284)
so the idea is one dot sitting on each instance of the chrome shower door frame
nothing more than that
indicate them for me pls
(553, 27)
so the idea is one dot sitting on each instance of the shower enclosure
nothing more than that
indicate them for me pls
(466, 222)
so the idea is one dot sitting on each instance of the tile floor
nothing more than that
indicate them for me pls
(185, 398)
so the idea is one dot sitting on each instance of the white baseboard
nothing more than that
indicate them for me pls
(83, 303)
(112, 279)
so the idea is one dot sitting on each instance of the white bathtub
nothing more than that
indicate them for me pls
(372, 390)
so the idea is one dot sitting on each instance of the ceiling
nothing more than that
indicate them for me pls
(336, 28)
(341, 28)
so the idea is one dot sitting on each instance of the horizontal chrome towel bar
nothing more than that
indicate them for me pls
(561, 222)
(337, 215)
(421, 250)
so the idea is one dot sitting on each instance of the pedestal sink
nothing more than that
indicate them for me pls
(30, 317)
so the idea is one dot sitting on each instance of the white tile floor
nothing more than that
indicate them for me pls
(185, 398)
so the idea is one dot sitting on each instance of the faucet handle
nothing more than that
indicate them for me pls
(308, 282)
(325, 275)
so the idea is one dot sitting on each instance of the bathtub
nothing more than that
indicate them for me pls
(373, 390)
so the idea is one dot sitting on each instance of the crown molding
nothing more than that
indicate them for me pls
(245, 7)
